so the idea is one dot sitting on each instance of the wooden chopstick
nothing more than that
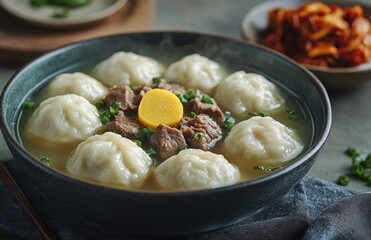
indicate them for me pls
(25, 204)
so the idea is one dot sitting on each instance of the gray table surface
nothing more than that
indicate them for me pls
(351, 109)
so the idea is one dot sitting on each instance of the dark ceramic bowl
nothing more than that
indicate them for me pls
(256, 20)
(176, 212)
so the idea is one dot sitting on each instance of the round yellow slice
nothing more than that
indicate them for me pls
(160, 106)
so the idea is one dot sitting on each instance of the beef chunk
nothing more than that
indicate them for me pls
(168, 141)
(200, 124)
(126, 127)
(174, 88)
(123, 95)
(213, 110)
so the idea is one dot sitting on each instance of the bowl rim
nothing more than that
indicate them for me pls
(266, 5)
(315, 146)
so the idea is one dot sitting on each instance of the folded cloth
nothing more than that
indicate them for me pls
(313, 209)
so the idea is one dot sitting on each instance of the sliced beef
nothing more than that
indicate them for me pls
(200, 124)
(122, 94)
(123, 125)
(213, 110)
(168, 141)
(174, 88)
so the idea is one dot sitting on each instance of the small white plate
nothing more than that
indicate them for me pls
(95, 11)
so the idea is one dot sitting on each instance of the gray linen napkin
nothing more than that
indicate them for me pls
(313, 209)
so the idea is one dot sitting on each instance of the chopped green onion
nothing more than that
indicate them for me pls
(105, 117)
(343, 180)
(181, 148)
(261, 114)
(352, 152)
(207, 99)
(357, 169)
(114, 108)
(227, 114)
(229, 126)
(198, 135)
(191, 94)
(150, 152)
(267, 169)
(27, 104)
(137, 142)
(182, 98)
(291, 114)
(62, 13)
(143, 133)
(100, 104)
(45, 160)
(156, 80)
(361, 166)
(132, 88)
(191, 114)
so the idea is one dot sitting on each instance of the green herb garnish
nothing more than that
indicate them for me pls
(261, 114)
(100, 104)
(27, 104)
(62, 13)
(181, 148)
(361, 166)
(132, 88)
(199, 135)
(105, 117)
(206, 99)
(191, 114)
(156, 80)
(191, 94)
(61, 3)
(343, 180)
(137, 142)
(114, 108)
(182, 98)
(144, 133)
(267, 169)
(45, 160)
(291, 114)
(150, 152)
(229, 121)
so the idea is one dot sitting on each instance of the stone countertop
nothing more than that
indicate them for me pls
(351, 109)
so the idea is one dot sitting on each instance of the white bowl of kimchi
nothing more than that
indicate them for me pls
(332, 38)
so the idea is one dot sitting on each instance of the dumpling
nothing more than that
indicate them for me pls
(110, 158)
(127, 68)
(65, 118)
(77, 83)
(195, 71)
(193, 169)
(262, 140)
(241, 93)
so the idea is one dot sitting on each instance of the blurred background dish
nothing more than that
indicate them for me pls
(256, 20)
(44, 16)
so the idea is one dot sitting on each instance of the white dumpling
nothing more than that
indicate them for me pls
(77, 83)
(195, 71)
(110, 158)
(241, 93)
(127, 68)
(193, 169)
(262, 140)
(65, 118)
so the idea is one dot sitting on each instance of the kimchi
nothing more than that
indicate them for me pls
(320, 34)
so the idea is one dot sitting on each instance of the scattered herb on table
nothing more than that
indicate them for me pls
(360, 168)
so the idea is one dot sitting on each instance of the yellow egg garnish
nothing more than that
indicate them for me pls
(160, 106)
